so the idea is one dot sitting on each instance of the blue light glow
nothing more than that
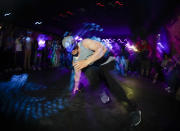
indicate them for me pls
(28, 39)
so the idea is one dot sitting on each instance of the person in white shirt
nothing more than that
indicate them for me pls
(27, 57)
(18, 53)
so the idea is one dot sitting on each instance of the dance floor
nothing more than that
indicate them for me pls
(44, 102)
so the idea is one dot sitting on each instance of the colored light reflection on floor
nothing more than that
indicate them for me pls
(14, 100)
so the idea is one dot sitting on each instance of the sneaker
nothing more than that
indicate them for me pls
(104, 97)
(135, 118)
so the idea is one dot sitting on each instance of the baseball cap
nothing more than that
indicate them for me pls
(68, 43)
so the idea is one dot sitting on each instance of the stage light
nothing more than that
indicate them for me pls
(119, 3)
(69, 12)
(131, 47)
(38, 23)
(62, 15)
(99, 4)
(160, 45)
(28, 39)
(41, 41)
(7, 14)
(101, 29)
(76, 38)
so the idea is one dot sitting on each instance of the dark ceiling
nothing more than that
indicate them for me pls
(61, 15)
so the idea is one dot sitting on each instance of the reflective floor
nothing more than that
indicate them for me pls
(42, 100)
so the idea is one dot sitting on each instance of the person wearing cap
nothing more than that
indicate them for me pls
(88, 57)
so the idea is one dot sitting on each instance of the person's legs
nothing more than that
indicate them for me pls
(18, 59)
(135, 115)
(25, 60)
(127, 66)
(39, 57)
(91, 80)
(92, 75)
(35, 60)
(147, 67)
(114, 87)
(142, 67)
(29, 59)
(21, 59)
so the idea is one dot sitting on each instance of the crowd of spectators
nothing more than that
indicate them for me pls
(20, 50)
(146, 63)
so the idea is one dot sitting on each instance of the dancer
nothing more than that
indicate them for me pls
(88, 57)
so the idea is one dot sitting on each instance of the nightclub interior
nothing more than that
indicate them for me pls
(97, 65)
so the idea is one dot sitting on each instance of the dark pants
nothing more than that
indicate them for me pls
(19, 59)
(96, 74)
(172, 80)
(9, 62)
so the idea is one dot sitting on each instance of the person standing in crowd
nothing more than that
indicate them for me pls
(1, 49)
(164, 61)
(156, 70)
(34, 55)
(88, 58)
(49, 52)
(58, 49)
(27, 57)
(177, 85)
(145, 54)
(46, 52)
(125, 57)
(54, 54)
(172, 74)
(9, 49)
(19, 53)
(1, 37)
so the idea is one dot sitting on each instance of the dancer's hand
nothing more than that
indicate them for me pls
(75, 90)
(80, 65)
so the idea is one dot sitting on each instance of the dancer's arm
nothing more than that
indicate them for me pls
(76, 80)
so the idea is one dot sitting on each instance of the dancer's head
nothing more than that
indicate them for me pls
(70, 45)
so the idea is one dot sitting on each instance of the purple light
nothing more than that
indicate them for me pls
(162, 42)
(106, 42)
(160, 45)
(76, 38)
(41, 41)
(131, 47)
